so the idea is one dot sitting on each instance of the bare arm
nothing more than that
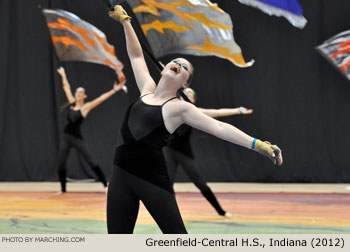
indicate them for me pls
(144, 81)
(143, 78)
(179, 112)
(97, 101)
(226, 111)
(66, 86)
(195, 118)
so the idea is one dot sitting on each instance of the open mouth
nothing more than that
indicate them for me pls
(175, 69)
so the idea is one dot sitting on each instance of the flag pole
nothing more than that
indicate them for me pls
(110, 6)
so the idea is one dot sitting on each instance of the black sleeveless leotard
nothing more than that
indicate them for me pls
(143, 137)
(74, 121)
(140, 173)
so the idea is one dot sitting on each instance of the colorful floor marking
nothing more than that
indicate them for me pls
(293, 213)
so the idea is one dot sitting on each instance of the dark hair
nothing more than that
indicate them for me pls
(189, 80)
(66, 105)
(82, 88)
(180, 93)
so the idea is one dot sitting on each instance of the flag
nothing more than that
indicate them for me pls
(77, 40)
(290, 9)
(337, 51)
(196, 27)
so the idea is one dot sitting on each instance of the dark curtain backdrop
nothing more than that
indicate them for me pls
(300, 101)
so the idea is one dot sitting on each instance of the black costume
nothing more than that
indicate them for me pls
(179, 153)
(140, 173)
(72, 138)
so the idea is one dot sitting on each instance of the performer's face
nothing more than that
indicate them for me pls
(80, 94)
(179, 68)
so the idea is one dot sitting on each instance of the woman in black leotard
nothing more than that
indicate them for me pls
(179, 152)
(78, 110)
(140, 171)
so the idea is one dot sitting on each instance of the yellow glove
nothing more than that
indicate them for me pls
(119, 14)
(266, 149)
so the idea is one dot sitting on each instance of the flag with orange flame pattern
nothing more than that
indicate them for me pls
(196, 27)
(77, 40)
(337, 51)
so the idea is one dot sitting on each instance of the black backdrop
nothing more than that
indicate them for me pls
(300, 101)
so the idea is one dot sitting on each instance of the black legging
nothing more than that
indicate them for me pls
(176, 159)
(67, 142)
(125, 191)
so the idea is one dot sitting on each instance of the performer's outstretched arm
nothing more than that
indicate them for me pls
(180, 112)
(226, 111)
(192, 97)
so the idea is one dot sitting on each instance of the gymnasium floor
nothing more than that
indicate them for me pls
(36, 208)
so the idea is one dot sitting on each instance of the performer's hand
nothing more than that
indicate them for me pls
(119, 14)
(117, 87)
(277, 157)
(61, 71)
(270, 151)
(244, 111)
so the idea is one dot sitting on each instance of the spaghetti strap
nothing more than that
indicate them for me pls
(144, 95)
(168, 100)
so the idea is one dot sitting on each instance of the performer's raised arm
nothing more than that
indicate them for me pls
(66, 86)
(98, 100)
(143, 78)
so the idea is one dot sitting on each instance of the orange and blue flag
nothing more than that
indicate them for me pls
(77, 40)
(196, 27)
(337, 51)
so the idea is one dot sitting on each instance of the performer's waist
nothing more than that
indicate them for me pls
(128, 155)
(73, 131)
(148, 164)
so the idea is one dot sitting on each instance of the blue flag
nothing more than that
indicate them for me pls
(289, 9)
